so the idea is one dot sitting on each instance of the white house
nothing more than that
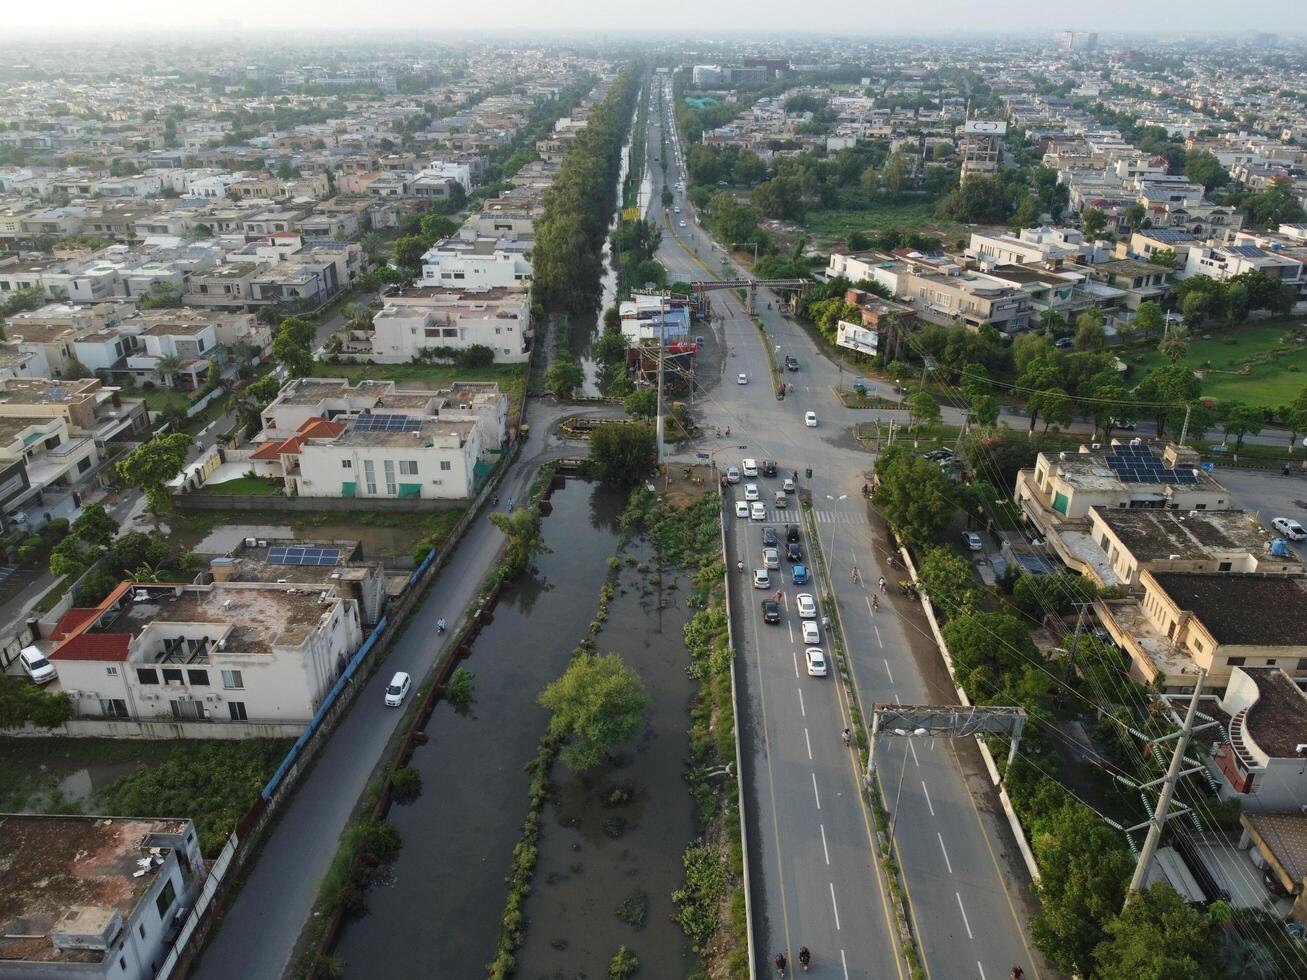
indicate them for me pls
(418, 320)
(477, 263)
(1227, 261)
(229, 651)
(103, 902)
(1262, 765)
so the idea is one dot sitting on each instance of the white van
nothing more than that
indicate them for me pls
(36, 666)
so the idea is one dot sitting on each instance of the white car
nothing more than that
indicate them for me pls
(810, 419)
(35, 665)
(787, 485)
(761, 580)
(757, 512)
(973, 541)
(750, 467)
(741, 509)
(811, 632)
(751, 491)
(816, 661)
(732, 475)
(771, 558)
(1290, 528)
(682, 222)
(741, 378)
(397, 689)
(807, 606)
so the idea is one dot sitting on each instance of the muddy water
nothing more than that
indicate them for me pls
(439, 916)
(612, 840)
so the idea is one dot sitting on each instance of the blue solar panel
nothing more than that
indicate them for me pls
(387, 423)
(303, 556)
(1247, 251)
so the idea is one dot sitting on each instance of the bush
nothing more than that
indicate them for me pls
(406, 785)
(22, 701)
(460, 688)
(623, 965)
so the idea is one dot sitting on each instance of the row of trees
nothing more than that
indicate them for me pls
(569, 236)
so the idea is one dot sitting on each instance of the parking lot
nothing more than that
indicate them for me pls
(1269, 495)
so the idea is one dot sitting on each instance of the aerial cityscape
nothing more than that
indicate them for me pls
(570, 492)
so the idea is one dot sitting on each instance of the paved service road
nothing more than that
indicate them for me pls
(969, 892)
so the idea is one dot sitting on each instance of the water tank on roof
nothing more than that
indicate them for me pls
(1279, 548)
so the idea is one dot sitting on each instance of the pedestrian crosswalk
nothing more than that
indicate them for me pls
(820, 516)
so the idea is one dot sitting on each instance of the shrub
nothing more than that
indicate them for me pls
(406, 785)
(22, 701)
(460, 688)
(623, 965)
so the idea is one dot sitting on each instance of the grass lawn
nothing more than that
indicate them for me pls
(1259, 362)
(511, 377)
(906, 216)
(247, 486)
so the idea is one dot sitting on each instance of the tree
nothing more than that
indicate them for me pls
(69, 557)
(922, 408)
(1296, 417)
(610, 348)
(992, 642)
(1109, 402)
(522, 529)
(1157, 936)
(292, 353)
(166, 367)
(1054, 404)
(985, 410)
(897, 171)
(153, 464)
(1094, 223)
(1083, 874)
(642, 404)
(947, 580)
(565, 375)
(1204, 168)
(622, 453)
(1090, 334)
(1241, 420)
(597, 704)
(1134, 215)
(409, 250)
(913, 494)
(1039, 377)
(1165, 257)
(1166, 391)
(1174, 348)
(94, 526)
(1149, 319)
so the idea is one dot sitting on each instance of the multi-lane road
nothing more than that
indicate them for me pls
(815, 880)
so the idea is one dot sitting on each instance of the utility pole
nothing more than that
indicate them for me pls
(1161, 813)
(662, 328)
(1184, 429)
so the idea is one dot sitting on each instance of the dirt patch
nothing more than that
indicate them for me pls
(683, 485)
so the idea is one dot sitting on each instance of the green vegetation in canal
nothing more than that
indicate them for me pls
(598, 704)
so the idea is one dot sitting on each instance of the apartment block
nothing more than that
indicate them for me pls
(417, 320)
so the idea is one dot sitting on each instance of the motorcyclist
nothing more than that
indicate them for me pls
(780, 963)
(804, 957)
(440, 625)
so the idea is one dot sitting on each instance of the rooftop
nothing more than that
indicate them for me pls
(73, 875)
(1155, 535)
(1286, 835)
(1234, 608)
(1277, 720)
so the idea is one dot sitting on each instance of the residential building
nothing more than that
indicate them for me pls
(1213, 620)
(659, 318)
(1262, 763)
(415, 321)
(1034, 246)
(227, 651)
(474, 263)
(1145, 242)
(971, 298)
(1279, 843)
(86, 404)
(1138, 280)
(99, 898)
(1227, 261)
(888, 320)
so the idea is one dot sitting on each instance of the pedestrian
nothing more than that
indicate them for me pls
(882, 583)
(778, 595)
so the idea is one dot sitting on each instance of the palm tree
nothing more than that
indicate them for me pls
(165, 367)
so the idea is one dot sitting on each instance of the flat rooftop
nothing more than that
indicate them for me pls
(428, 430)
(43, 391)
(1277, 720)
(71, 874)
(1155, 535)
(1237, 609)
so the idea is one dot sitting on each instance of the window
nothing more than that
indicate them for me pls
(346, 464)
(111, 671)
(84, 465)
(200, 677)
(370, 475)
(113, 707)
(147, 675)
(391, 488)
(445, 466)
(1224, 566)
(232, 680)
(1302, 663)
(1235, 662)
(166, 897)
(237, 710)
(408, 467)
(141, 929)
(172, 675)
(1270, 662)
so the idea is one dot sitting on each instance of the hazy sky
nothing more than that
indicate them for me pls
(679, 16)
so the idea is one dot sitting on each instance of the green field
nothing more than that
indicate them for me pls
(247, 486)
(511, 377)
(1259, 363)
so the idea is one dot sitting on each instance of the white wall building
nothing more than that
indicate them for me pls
(417, 320)
(476, 264)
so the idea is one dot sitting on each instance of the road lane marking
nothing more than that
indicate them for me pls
(790, 626)
(815, 795)
(927, 792)
(802, 710)
(964, 915)
(845, 963)
(824, 849)
(834, 906)
(898, 700)
(879, 641)
(808, 741)
(795, 655)
(913, 749)
(981, 969)
(942, 848)
(887, 670)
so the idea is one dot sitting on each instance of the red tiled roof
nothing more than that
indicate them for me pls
(94, 646)
(269, 450)
(314, 427)
(72, 619)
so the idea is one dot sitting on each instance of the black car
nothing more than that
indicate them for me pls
(791, 363)
(791, 533)
(769, 537)
(794, 553)
(769, 467)
(771, 611)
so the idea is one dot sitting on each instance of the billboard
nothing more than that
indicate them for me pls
(857, 337)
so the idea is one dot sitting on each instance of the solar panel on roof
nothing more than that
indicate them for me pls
(303, 556)
(386, 423)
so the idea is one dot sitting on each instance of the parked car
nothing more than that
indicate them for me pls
(771, 611)
(397, 689)
(771, 558)
(973, 541)
(810, 419)
(806, 605)
(741, 378)
(769, 537)
(794, 554)
(1062, 343)
(1127, 425)
(791, 533)
(1290, 528)
(732, 475)
(799, 573)
(811, 632)
(749, 467)
(769, 467)
(751, 492)
(791, 363)
(761, 580)
(741, 508)
(939, 454)
(757, 512)
(36, 666)
(816, 661)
